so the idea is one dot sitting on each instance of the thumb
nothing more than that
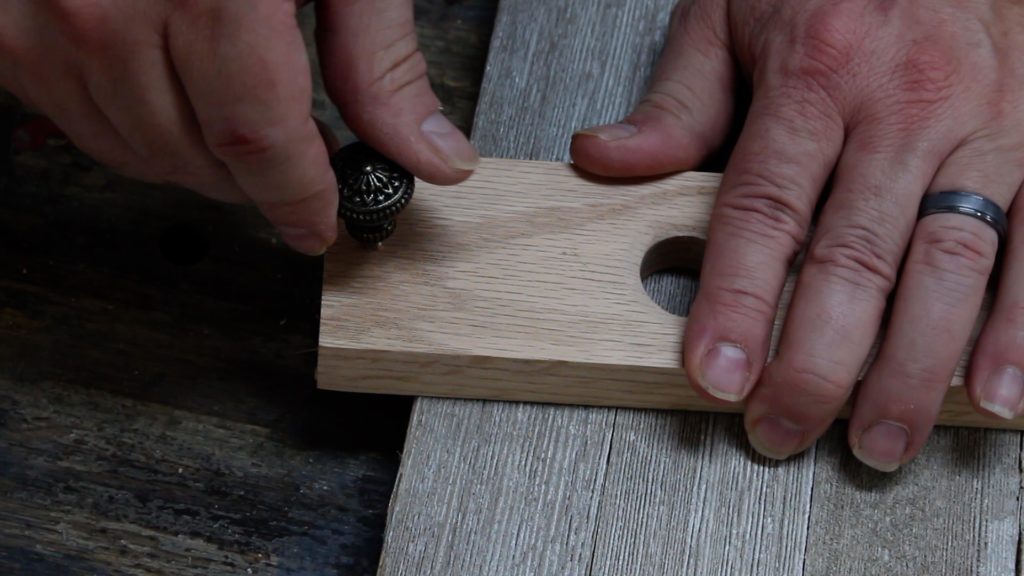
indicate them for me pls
(374, 72)
(686, 112)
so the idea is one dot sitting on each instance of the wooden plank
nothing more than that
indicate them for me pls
(497, 489)
(743, 515)
(953, 511)
(97, 483)
(418, 540)
(684, 495)
(528, 287)
(581, 507)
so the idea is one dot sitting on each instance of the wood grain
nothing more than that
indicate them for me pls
(684, 495)
(953, 511)
(672, 493)
(455, 464)
(498, 489)
(527, 285)
(132, 491)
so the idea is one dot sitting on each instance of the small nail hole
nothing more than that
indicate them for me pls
(670, 272)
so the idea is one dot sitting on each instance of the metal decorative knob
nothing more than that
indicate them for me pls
(372, 189)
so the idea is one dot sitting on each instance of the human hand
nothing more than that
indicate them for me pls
(216, 95)
(892, 100)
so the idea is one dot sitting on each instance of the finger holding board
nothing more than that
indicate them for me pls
(524, 283)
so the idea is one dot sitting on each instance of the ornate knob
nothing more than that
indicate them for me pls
(373, 190)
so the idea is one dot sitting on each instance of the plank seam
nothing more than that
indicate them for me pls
(600, 495)
(810, 508)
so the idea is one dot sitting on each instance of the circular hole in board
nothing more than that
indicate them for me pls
(670, 272)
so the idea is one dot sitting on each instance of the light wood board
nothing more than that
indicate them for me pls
(524, 283)
(503, 488)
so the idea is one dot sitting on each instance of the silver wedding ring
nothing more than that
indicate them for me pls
(968, 204)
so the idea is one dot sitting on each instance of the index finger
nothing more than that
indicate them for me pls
(777, 170)
(244, 68)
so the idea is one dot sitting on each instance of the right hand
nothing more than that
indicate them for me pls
(858, 110)
(216, 95)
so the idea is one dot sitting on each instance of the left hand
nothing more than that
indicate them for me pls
(216, 96)
(892, 101)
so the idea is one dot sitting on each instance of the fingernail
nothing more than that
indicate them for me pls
(725, 371)
(1003, 392)
(776, 437)
(450, 142)
(611, 132)
(304, 241)
(882, 445)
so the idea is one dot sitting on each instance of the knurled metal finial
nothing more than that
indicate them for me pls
(372, 189)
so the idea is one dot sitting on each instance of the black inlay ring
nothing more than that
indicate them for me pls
(968, 204)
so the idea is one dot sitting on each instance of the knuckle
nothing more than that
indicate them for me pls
(818, 381)
(664, 97)
(398, 67)
(927, 76)
(857, 255)
(674, 99)
(827, 46)
(956, 252)
(920, 374)
(806, 104)
(759, 205)
(243, 144)
(742, 301)
(670, 97)
(87, 23)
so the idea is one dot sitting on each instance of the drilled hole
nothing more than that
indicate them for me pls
(670, 271)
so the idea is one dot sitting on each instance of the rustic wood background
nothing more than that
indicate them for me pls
(158, 413)
(157, 406)
(522, 489)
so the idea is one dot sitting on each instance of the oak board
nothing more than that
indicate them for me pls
(524, 283)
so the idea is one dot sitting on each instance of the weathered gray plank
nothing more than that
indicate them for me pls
(555, 67)
(94, 482)
(952, 511)
(685, 496)
(497, 489)
(731, 512)
(491, 488)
